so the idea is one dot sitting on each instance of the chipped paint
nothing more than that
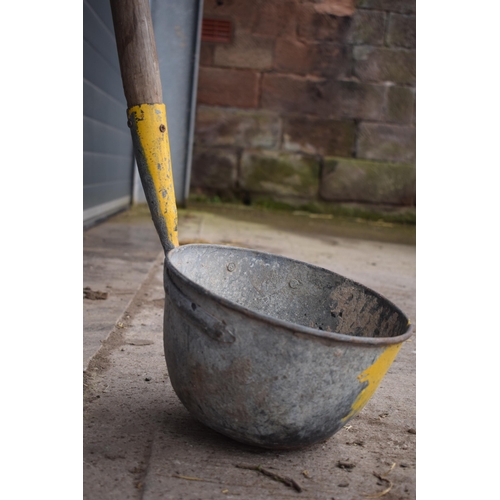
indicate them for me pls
(373, 376)
(149, 128)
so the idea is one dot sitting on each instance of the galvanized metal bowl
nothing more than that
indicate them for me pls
(267, 350)
(271, 351)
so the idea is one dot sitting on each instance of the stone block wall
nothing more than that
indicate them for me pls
(312, 100)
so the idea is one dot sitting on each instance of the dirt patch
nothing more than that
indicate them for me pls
(101, 363)
(90, 294)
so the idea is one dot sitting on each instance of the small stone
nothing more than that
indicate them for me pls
(148, 379)
(412, 431)
(345, 465)
(344, 484)
(90, 294)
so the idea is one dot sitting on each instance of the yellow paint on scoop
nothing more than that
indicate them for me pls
(373, 375)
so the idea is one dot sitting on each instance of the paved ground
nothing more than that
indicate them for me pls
(140, 442)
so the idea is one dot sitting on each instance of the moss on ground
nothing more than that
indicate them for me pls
(394, 215)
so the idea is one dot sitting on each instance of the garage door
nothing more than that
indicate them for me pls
(109, 173)
(108, 163)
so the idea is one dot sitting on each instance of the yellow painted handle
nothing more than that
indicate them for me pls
(148, 124)
(147, 117)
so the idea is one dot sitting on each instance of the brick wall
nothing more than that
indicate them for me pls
(311, 100)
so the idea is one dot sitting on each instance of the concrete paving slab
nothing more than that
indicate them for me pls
(140, 442)
(117, 256)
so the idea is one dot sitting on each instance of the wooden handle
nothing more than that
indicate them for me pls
(146, 113)
(137, 51)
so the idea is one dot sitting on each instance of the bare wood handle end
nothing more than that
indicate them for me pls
(136, 46)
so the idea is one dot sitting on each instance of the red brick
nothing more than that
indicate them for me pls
(206, 54)
(238, 128)
(313, 25)
(319, 136)
(330, 59)
(228, 87)
(336, 7)
(246, 51)
(322, 97)
(276, 18)
(242, 13)
(292, 56)
(320, 59)
(293, 94)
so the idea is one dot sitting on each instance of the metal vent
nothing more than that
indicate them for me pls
(216, 30)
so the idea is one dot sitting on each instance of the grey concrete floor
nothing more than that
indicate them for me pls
(140, 442)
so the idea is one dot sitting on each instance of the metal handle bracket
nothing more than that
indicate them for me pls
(215, 328)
